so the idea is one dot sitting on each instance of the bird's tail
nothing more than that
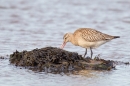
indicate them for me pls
(116, 36)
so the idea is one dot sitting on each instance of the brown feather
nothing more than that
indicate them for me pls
(92, 35)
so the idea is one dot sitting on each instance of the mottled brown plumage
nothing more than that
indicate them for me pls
(87, 38)
(92, 35)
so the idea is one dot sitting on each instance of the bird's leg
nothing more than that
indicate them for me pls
(85, 53)
(91, 52)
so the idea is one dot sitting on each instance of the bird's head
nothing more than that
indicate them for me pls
(66, 38)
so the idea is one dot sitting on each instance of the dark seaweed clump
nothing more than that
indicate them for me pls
(55, 60)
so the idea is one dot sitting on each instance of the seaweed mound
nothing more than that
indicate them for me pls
(55, 60)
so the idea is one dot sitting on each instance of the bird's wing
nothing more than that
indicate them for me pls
(92, 35)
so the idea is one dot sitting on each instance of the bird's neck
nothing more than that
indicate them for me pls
(73, 40)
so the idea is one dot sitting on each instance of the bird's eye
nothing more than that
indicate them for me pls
(65, 38)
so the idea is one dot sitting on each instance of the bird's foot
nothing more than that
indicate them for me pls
(88, 57)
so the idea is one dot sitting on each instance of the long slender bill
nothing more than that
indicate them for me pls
(62, 46)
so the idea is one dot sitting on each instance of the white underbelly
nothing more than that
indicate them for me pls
(86, 44)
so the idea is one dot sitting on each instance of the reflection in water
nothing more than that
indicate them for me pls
(25, 25)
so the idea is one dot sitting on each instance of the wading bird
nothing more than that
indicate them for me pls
(87, 38)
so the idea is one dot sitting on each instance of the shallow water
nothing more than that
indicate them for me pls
(25, 25)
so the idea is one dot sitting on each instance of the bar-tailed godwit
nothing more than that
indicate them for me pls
(87, 38)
